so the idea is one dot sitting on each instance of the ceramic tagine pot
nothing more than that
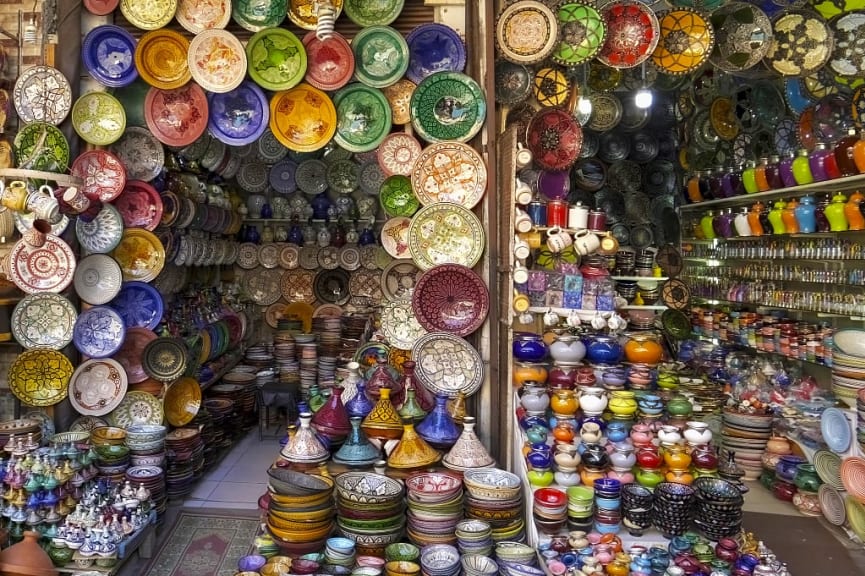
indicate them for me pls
(27, 558)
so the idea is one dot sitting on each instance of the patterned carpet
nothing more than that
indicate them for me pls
(205, 543)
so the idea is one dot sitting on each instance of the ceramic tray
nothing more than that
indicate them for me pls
(632, 34)
(165, 359)
(139, 304)
(97, 387)
(445, 233)
(99, 332)
(176, 117)
(43, 320)
(41, 146)
(182, 401)
(297, 285)
(447, 364)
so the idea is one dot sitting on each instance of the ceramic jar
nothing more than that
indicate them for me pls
(622, 403)
(564, 432)
(697, 433)
(566, 457)
(806, 216)
(641, 435)
(617, 432)
(623, 457)
(835, 213)
(853, 212)
(564, 402)
(603, 350)
(529, 347)
(704, 457)
(806, 478)
(644, 349)
(648, 457)
(590, 433)
(648, 477)
(585, 376)
(676, 457)
(650, 404)
(593, 400)
(535, 399)
(524, 373)
(567, 350)
(561, 377)
(802, 168)
(787, 467)
(679, 405)
(778, 445)
(727, 549)
(669, 435)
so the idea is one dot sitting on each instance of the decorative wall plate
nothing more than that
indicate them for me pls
(349, 257)
(281, 176)
(365, 284)
(328, 257)
(801, 45)
(303, 118)
(398, 279)
(447, 364)
(102, 172)
(140, 205)
(513, 82)
(197, 17)
(176, 117)
(365, 13)
(297, 285)
(551, 87)
(363, 117)
(262, 285)
(330, 61)
(217, 61)
(448, 106)
(161, 59)
(288, 257)
(268, 255)
(399, 97)
(42, 94)
(449, 172)
(450, 298)
(274, 313)
(723, 118)
(332, 286)
(445, 233)
(40, 377)
(99, 332)
(97, 279)
(398, 153)
(743, 36)
(687, 39)
(182, 401)
(101, 7)
(304, 13)
(148, 15)
(276, 59)
(240, 116)
(397, 197)
(41, 146)
(98, 118)
(140, 254)
(97, 386)
(786, 137)
(139, 304)
(108, 54)
(632, 34)
(131, 353)
(381, 56)
(86, 423)
(165, 359)
(137, 407)
(554, 138)
(43, 320)
(255, 16)
(434, 48)
(102, 234)
(140, 152)
(48, 268)
(848, 55)
(394, 237)
(308, 258)
(858, 106)
(581, 34)
(527, 31)
(399, 324)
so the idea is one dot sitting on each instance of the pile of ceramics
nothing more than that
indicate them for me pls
(112, 452)
(370, 510)
(747, 435)
(496, 496)
(435, 507)
(672, 508)
(242, 397)
(848, 367)
(146, 444)
(718, 513)
(549, 509)
(185, 460)
(474, 537)
(299, 510)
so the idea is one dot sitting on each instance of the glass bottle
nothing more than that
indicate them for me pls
(754, 219)
(773, 172)
(468, 451)
(743, 228)
(817, 162)
(760, 176)
(716, 177)
(835, 213)
(776, 219)
(731, 181)
(806, 215)
(304, 446)
(785, 170)
(359, 405)
(694, 193)
(723, 223)
(383, 422)
(853, 212)
(412, 451)
(357, 449)
(438, 428)
(859, 153)
(802, 168)
(749, 177)
(706, 225)
(844, 153)
(788, 216)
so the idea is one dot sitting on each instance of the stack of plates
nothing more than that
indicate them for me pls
(307, 351)
(848, 365)
(435, 507)
(746, 435)
(242, 398)
(185, 451)
(258, 356)
(329, 330)
(152, 478)
(370, 509)
(860, 411)
(495, 496)
(146, 444)
(299, 510)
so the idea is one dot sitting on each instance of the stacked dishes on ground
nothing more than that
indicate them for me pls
(112, 453)
(637, 503)
(495, 496)
(354, 328)
(339, 554)
(860, 412)
(435, 507)
(286, 359)
(581, 507)
(242, 397)
(671, 511)
(474, 537)
(440, 560)
(718, 510)
(329, 330)
(185, 458)
(746, 435)
(152, 479)
(550, 510)
(299, 510)
(848, 366)
(223, 422)
(146, 444)
(370, 509)
(307, 352)
(608, 505)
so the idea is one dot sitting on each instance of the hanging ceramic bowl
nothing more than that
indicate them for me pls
(449, 172)
(304, 13)
(554, 138)
(551, 87)
(97, 386)
(330, 61)
(448, 106)
(108, 54)
(40, 377)
(239, 117)
(43, 320)
(445, 233)
(197, 17)
(276, 59)
(527, 32)
(137, 408)
(365, 13)
(98, 118)
(399, 97)
(381, 56)
(606, 112)
(97, 279)
(848, 54)
(141, 153)
(139, 305)
(397, 198)
(615, 147)
(363, 117)
(398, 153)
(217, 61)
(140, 254)
(743, 36)
(394, 237)
(303, 119)
(633, 117)
(801, 45)
(182, 401)
(103, 174)
(581, 34)
(99, 332)
(42, 94)
(603, 78)
(786, 137)
(723, 118)
(161, 59)
(434, 48)
(513, 82)
(148, 15)
(177, 117)
(632, 34)
(450, 298)
(687, 39)
(256, 16)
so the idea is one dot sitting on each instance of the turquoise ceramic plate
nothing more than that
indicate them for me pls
(363, 118)
(381, 56)
(448, 106)
(276, 59)
(373, 12)
(256, 15)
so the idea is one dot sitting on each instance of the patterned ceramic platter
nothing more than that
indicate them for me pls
(398, 153)
(582, 32)
(445, 233)
(177, 117)
(48, 268)
(366, 13)
(349, 257)
(99, 332)
(141, 153)
(97, 279)
(554, 138)
(140, 254)
(449, 172)
(182, 401)
(303, 118)
(332, 286)
(165, 359)
(41, 146)
(86, 424)
(397, 198)
(363, 117)
(140, 205)
(98, 118)
(276, 59)
(304, 13)
(399, 325)
(381, 56)
(330, 61)
(239, 117)
(268, 255)
(513, 82)
(255, 15)
(743, 36)
(451, 298)
(297, 285)
(42, 94)
(137, 407)
(148, 15)
(217, 61)
(398, 279)
(399, 97)
(108, 54)
(551, 87)
(196, 16)
(131, 353)
(394, 237)
(40, 377)
(103, 174)
(97, 386)
(687, 39)
(848, 56)
(161, 59)
(722, 114)
(262, 285)
(434, 48)
(43, 320)
(102, 234)
(447, 364)
(801, 45)
(448, 106)
(632, 34)
(527, 32)
(139, 304)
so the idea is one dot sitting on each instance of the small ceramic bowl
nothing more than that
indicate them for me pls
(401, 551)
(251, 563)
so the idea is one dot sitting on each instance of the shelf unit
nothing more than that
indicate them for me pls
(761, 350)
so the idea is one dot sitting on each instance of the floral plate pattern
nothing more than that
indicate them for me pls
(43, 320)
(197, 17)
(397, 198)
(582, 33)
(399, 324)
(217, 61)
(140, 152)
(43, 146)
(140, 205)
(97, 387)
(137, 407)
(42, 94)
(262, 285)
(687, 39)
(98, 118)
(445, 233)
(363, 117)
(99, 332)
(148, 15)
(330, 61)
(165, 359)
(801, 45)
(48, 268)
(449, 172)
(139, 304)
(140, 254)
(434, 47)
(40, 377)
(527, 32)
(447, 364)
(276, 59)
(176, 117)
(398, 153)
(743, 36)
(394, 237)
(103, 174)
(303, 118)
(451, 298)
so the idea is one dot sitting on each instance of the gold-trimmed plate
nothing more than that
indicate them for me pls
(445, 233)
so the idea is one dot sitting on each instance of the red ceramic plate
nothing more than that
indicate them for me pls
(632, 34)
(103, 174)
(451, 298)
(176, 117)
(130, 354)
(140, 205)
(101, 7)
(330, 63)
(555, 139)
(853, 477)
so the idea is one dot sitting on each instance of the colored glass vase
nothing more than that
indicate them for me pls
(788, 216)
(776, 218)
(835, 213)
(853, 212)
(693, 188)
(731, 183)
(331, 420)
(749, 177)
(806, 215)
(359, 405)
(468, 451)
(802, 168)
(357, 449)
(844, 154)
(438, 428)
(383, 422)
(785, 170)
(773, 172)
(760, 176)
(412, 451)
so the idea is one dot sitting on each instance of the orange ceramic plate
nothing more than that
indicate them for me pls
(182, 401)
(140, 254)
(303, 118)
(161, 59)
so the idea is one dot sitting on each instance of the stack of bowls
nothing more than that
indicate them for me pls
(370, 509)
(402, 568)
(401, 551)
(146, 444)
(185, 458)
(152, 479)
(495, 496)
(515, 558)
(435, 506)
(581, 507)
(860, 411)
(718, 507)
(299, 511)
(112, 453)
(440, 560)
(637, 503)
(474, 537)
(608, 505)
(550, 510)
(746, 435)
(339, 552)
(478, 565)
(671, 510)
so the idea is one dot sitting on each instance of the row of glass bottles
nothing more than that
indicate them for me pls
(810, 248)
(765, 271)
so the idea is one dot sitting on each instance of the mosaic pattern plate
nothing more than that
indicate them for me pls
(40, 377)
(398, 153)
(447, 364)
(43, 320)
(743, 36)
(687, 39)
(451, 298)
(137, 407)
(394, 237)
(449, 172)
(527, 31)
(304, 13)
(97, 386)
(397, 198)
(48, 268)
(381, 56)
(848, 55)
(632, 34)
(42, 94)
(148, 15)
(165, 359)
(802, 43)
(448, 106)
(139, 304)
(297, 285)
(445, 233)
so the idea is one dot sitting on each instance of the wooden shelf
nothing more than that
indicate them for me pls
(736, 278)
(760, 350)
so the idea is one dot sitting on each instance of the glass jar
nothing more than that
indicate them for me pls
(785, 170)
(749, 177)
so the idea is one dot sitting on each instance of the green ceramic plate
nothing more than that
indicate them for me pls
(676, 323)
(373, 12)
(582, 34)
(448, 106)
(51, 156)
(363, 118)
(397, 196)
(381, 56)
(256, 15)
(277, 59)
(99, 118)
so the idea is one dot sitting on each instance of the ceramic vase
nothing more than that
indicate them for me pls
(424, 398)
(357, 449)
(350, 379)
(468, 451)
(438, 428)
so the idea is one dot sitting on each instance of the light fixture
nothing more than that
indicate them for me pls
(30, 35)
(584, 104)
(643, 97)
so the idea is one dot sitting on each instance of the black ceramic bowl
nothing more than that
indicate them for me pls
(716, 489)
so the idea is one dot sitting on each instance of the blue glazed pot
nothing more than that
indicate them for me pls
(617, 431)
(787, 465)
(528, 347)
(603, 350)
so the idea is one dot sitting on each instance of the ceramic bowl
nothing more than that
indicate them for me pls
(716, 489)
(107, 435)
(433, 486)
(366, 488)
(340, 545)
(141, 433)
(401, 551)
(302, 566)
(292, 483)
(401, 568)
(251, 563)
(77, 437)
(671, 492)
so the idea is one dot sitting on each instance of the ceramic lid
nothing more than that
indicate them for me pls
(304, 13)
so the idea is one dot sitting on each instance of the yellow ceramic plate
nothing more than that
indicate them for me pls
(303, 12)
(301, 311)
(148, 14)
(182, 401)
(140, 254)
(40, 377)
(161, 59)
(303, 119)
(856, 516)
(687, 39)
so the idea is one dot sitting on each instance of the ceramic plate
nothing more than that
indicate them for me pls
(398, 153)
(103, 174)
(582, 33)
(102, 234)
(86, 423)
(447, 364)
(239, 117)
(289, 257)
(380, 56)
(448, 106)
(24, 222)
(632, 34)
(399, 324)
(99, 332)
(331, 286)
(397, 198)
(197, 17)
(41, 146)
(176, 117)
(140, 205)
(434, 48)
(743, 36)
(130, 355)
(40, 377)
(137, 407)
(182, 401)
(398, 279)
(43, 321)
(165, 359)
(303, 118)
(255, 15)
(148, 15)
(832, 505)
(101, 7)
(217, 61)
(828, 467)
(687, 39)
(330, 61)
(262, 285)
(97, 279)
(551, 87)
(450, 298)
(297, 285)
(399, 97)
(98, 118)
(304, 13)
(141, 153)
(365, 13)
(97, 387)
(853, 476)
(554, 138)
(848, 55)
(161, 59)
(140, 254)
(836, 430)
(42, 94)
(394, 237)
(449, 172)
(108, 54)
(139, 304)
(445, 233)
(48, 268)
(363, 117)
(527, 32)
(513, 82)
(850, 341)
(277, 59)
(801, 45)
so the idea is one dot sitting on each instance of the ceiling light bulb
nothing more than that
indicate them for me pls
(584, 106)
(643, 98)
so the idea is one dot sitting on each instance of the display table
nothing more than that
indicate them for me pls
(141, 542)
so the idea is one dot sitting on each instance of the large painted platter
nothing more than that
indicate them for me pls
(445, 233)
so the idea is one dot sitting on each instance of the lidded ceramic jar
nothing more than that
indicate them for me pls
(676, 457)
(622, 403)
(535, 398)
(644, 349)
(528, 347)
(669, 435)
(525, 372)
(623, 457)
(567, 349)
(697, 433)
(593, 400)
(564, 402)
(778, 445)
(602, 349)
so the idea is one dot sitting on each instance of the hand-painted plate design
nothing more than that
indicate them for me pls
(103, 174)
(434, 48)
(449, 172)
(177, 117)
(632, 34)
(139, 304)
(303, 119)
(140, 254)
(217, 61)
(102, 234)
(40, 377)
(363, 117)
(99, 332)
(447, 364)
(451, 298)
(97, 387)
(43, 320)
(48, 268)
(140, 205)
(445, 233)
(140, 152)
(42, 94)
(108, 54)
(97, 279)
(276, 59)
(448, 106)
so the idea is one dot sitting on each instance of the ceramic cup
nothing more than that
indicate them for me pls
(37, 235)
(558, 239)
(609, 245)
(520, 273)
(533, 238)
(43, 204)
(14, 196)
(75, 199)
(522, 221)
(586, 242)
(521, 248)
(523, 193)
(523, 158)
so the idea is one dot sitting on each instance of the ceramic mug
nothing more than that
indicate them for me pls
(586, 242)
(521, 248)
(533, 238)
(14, 196)
(522, 221)
(558, 239)
(77, 201)
(520, 273)
(523, 193)
(37, 234)
(523, 157)
(43, 204)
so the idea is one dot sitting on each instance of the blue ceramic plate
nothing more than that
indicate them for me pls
(434, 48)
(139, 304)
(99, 332)
(794, 94)
(109, 55)
(239, 117)
(281, 176)
(836, 430)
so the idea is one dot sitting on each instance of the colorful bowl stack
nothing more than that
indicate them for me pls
(339, 552)
(185, 450)
(147, 451)
(637, 503)
(746, 435)
(299, 510)
(608, 505)
(474, 537)
(370, 510)
(495, 495)
(440, 560)
(435, 507)
(581, 507)
(718, 510)
(550, 510)
(671, 512)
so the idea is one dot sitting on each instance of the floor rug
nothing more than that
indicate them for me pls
(205, 543)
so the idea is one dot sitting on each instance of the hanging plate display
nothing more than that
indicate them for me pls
(398, 154)
(165, 359)
(434, 48)
(140, 205)
(24, 222)
(217, 61)
(527, 32)
(743, 36)
(381, 56)
(108, 54)
(551, 87)
(101, 7)
(450, 298)
(448, 106)
(297, 286)
(449, 172)
(97, 279)
(399, 324)
(304, 13)
(394, 237)
(140, 254)
(103, 174)
(786, 137)
(398, 279)
(139, 304)
(858, 106)
(137, 408)
(606, 112)
(379, 12)
(277, 59)
(140, 152)
(686, 40)
(98, 118)
(848, 55)
(239, 117)
(363, 117)
(197, 17)
(176, 117)
(554, 138)
(161, 59)
(43, 320)
(632, 34)
(581, 34)
(47, 268)
(97, 386)
(262, 285)
(397, 197)
(41, 146)
(399, 97)
(802, 43)
(42, 94)
(723, 118)
(447, 364)
(331, 286)
(99, 332)
(257, 15)
(303, 119)
(330, 61)
(513, 82)
(40, 377)
(131, 352)
(102, 234)
(181, 402)
(445, 233)
(148, 15)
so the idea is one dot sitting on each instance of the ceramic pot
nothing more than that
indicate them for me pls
(648, 457)
(669, 435)
(617, 432)
(787, 467)
(595, 456)
(679, 405)
(603, 350)
(566, 457)
(564, 432)
(585, 376)
(648, 477)
(623, 457)
(806, 478)
(778, 445)
(622, 403)
(529, 372)
(593, 400)
(697, 433)
(727, 549)
(562, 377)
(535, 398)
(567, 350)
(704, 457)
(650, 404)
(564, 402)
(590, 433)
(27, 557)
(644, 349)
(528, 347)
(677, 457)
(641, 435)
